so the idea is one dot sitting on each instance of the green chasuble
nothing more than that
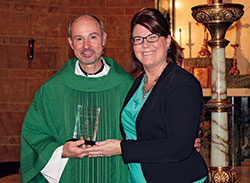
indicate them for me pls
(50, 121)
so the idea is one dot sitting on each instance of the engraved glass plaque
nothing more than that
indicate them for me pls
(86, 124)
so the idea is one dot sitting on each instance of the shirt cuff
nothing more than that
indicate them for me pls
(55, 166)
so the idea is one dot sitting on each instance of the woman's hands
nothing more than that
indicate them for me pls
(77, 149)
(110, 147)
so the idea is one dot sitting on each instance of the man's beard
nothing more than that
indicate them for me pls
(97, 57)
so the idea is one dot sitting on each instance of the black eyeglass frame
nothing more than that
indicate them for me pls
(146, 37)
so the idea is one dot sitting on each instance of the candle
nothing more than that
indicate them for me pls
(189, 44)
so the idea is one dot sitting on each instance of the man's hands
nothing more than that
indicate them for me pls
(197, 144)
(72, 149)
(110, 147)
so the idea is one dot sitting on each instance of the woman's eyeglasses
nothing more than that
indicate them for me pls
(151, 38)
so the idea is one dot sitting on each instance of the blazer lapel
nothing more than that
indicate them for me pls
(133, 89)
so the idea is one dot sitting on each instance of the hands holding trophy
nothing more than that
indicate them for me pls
(86, 124)
(85, 129)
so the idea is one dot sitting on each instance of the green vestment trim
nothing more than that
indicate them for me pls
(50, 121)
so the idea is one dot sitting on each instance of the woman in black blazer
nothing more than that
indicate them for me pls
(161, 114)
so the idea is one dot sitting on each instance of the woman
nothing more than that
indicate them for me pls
(161, 114)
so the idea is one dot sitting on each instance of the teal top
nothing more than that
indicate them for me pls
(128, 119)
(201, 180)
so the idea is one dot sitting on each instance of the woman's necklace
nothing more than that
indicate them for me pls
(144, 91)
(145, 79)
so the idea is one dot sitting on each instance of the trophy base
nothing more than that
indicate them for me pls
(87, 142)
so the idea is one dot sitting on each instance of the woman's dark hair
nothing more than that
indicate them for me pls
(155, 22)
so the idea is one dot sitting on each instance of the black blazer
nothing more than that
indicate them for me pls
(166, 128)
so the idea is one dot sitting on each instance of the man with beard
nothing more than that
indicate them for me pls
(87, 80)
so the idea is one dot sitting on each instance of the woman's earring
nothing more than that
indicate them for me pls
(168, 49)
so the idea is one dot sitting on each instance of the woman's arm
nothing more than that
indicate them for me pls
(182, 123)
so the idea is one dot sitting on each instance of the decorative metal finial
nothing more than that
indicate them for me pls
(234, 70)
(204, 52)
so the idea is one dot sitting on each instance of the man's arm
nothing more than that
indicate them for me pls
(55, 166)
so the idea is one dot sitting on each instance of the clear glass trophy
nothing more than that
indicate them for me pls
(86, 124)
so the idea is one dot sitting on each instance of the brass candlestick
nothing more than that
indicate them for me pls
(217, 17)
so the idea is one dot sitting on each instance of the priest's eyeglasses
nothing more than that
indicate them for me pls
(151, 38)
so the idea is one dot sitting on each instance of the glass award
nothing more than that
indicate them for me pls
(86, 124)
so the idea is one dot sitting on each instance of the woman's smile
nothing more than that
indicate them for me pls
(146, 53)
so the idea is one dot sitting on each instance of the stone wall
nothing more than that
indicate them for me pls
(46, 21)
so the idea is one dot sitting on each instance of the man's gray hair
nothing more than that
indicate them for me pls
(93, 16)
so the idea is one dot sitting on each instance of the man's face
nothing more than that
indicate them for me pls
(87, 40)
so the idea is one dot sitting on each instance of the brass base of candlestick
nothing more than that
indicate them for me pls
(217, 105)
(222, 175)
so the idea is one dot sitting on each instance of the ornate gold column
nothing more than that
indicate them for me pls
(217, 17)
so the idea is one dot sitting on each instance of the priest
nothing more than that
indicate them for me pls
(87, 80)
